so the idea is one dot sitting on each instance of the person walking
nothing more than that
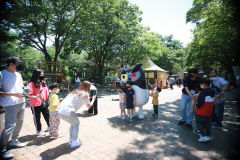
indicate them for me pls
(191, 84)
(69, 106)
(13, 100)
(38, 94)
(219, 85)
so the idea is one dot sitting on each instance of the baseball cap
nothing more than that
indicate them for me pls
(13, 60)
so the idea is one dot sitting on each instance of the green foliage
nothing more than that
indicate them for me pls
(216, 36)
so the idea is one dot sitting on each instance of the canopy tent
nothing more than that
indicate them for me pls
(154, 74)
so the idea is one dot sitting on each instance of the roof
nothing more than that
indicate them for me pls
(148, 65)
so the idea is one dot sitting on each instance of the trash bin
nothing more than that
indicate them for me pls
(2, 118)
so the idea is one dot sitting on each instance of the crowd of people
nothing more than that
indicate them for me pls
(42, 102)
(203, 96)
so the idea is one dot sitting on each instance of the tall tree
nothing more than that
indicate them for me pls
(38, 22)
(216, 36)
(112, 25)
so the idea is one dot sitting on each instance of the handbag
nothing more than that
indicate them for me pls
(45, 103)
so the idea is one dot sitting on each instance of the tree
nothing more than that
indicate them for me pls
(37, 22)
(111, 27)
(216, 36)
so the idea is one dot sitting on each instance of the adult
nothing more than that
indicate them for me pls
(69, 106)
(38, 94)
(172, 81)
(12, 99)
(76, 81)
(219, 86)
(93, 92)
(191, 84)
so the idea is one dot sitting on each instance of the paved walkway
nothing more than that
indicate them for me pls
(106, 137)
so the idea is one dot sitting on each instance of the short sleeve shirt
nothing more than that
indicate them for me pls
(129, 96)
(220, 82)
(35, 91)
(11, 83)
(193, 85)
(54, 101)
(72, 103)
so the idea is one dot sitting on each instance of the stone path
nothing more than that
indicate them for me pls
(105, 137)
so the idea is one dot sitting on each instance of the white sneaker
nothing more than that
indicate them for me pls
(76, 143)
(40, 134)
(201, 139)
(123, 117)
(16, 143)
(47, 130)
(207, 138)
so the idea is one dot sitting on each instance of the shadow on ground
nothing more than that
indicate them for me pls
(164, 138)
(56, 152)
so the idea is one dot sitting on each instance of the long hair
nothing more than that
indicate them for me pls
(84, 87)
(35, 77)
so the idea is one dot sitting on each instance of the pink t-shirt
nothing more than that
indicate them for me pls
(35, 91)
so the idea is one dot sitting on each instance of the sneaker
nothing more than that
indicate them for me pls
(40, 134)
(16, 144)
(47, 130)
(207, 138)
(197, 132)
(76, 143)
(5, 154)
(216, 126)
(123, 117)
(189, 126)
(180, 123)
(201, 139)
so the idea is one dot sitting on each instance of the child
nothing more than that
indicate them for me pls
(154, 94)
(130, 99)
(122, 102)
(204, 110)
(54, 119)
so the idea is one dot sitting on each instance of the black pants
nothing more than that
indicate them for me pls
(94, 108)
(37, 116)
(203, 125)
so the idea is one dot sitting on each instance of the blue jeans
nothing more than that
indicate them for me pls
(155, 109)
(186, 103)
(219, 111)
(74, 122)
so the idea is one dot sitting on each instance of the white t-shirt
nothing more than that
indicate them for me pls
(73, 102)
(11, 83)
(122, 97)
(220, 82)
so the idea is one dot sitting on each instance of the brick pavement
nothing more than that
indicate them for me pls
(106, 137)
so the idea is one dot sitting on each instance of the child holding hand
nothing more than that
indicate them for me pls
(122, 102)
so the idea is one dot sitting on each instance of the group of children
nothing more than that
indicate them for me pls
(127, 101)
(203, 106)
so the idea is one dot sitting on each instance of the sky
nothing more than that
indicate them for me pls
(167, 17)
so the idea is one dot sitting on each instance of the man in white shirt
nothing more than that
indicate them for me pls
(12, 99)
(219, 85)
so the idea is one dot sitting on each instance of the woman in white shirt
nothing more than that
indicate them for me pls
(68, 107)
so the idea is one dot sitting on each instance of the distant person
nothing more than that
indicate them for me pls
(155, 102)
(191, 85)
(122, 103)
(204, 110)
(54, 119)
(172, 81)
(76, 81)
(12, 99)
(93, 92)
(219, 86)
(70, 105)
(38, 95)
(130, 100)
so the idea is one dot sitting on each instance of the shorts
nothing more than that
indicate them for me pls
(122, 106)
(129, 106)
